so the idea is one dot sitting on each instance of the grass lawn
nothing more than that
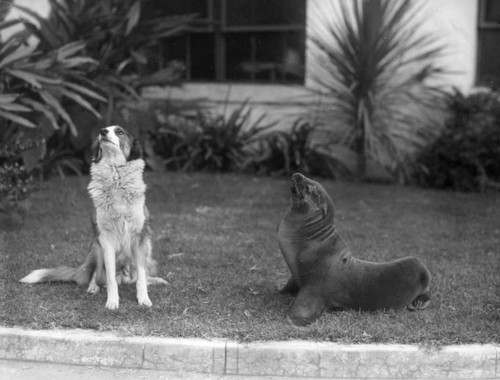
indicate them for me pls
(215, 241)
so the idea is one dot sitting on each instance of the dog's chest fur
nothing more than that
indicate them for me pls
(118, 193)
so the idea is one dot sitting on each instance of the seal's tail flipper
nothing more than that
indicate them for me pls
(420, 303)
(80, 275)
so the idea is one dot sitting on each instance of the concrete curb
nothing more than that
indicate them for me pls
(220, 357)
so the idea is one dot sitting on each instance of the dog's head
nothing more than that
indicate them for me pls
(115, 145)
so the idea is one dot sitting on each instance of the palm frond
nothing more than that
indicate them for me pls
(368, 58)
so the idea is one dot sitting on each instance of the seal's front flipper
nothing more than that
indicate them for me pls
(420, 303)
(307, 307)
(291, 287)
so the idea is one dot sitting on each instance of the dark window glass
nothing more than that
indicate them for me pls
(157, 8)
(239, 13)
(265, 12)
(239, 44)
(255, 40)
(202, 56)
(492, 11)
(175, 48)
(488, 56)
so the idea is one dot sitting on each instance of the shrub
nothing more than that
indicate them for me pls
(37, 88)
(209, 142)
(117, 38)
(286, 151)
(119, 43)
(467, 154)
(15, 181)
(59, 158)
(36, 85)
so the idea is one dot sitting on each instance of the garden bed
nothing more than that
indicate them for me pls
(215, 241)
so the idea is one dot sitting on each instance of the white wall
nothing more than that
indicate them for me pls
(40, 6)
(456, 20)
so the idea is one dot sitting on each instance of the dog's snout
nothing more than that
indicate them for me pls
(103, 131)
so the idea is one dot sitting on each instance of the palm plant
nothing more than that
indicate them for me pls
(381, 88)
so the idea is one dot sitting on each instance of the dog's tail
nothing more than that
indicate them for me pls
(80, 275)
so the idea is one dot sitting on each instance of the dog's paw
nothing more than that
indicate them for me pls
(112, 304)
(156, 281)
(145, 302)
(93, 289)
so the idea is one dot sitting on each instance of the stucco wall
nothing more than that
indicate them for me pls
(456, 22)
(40, 6)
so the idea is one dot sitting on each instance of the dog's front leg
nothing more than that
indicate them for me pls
(108, 251)
(142, 283)
(142, 287)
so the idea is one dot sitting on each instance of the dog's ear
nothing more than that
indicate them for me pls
(96, 151)
(135, 150)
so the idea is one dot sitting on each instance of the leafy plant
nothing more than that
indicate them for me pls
(35, 84)
(466, 156)
(376, 72)
(117, 38)
(15, 182)
(285, 151)
(208, 142)
(59, 158)
(37, 88)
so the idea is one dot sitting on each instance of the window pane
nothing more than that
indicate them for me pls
(156, 8)
(174, 48)
(489, 58)
(202, 56)
(239, 54)
(196, 52)
(279, 12)
(265, 57)
(492, 11)
(258, 44)
(265, 12)
(239, 12)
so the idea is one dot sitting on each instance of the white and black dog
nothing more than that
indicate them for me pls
(122, 238)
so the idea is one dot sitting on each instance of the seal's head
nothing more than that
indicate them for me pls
(310, 198)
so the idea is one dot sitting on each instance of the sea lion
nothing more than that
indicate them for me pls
(325, 274)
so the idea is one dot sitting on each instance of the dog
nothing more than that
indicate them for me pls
(121, 249)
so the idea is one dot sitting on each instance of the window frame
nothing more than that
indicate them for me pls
(482, 77)
(483, 24)
(220, 30)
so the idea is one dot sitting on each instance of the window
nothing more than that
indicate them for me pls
(488, 65)
(238, 40)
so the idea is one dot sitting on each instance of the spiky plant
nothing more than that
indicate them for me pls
(378, 73)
